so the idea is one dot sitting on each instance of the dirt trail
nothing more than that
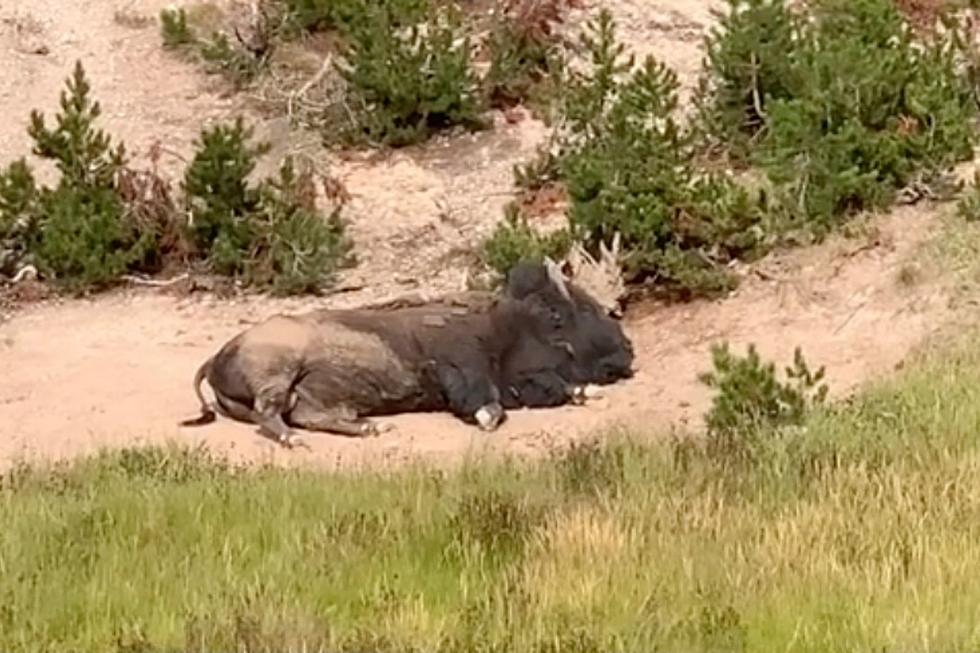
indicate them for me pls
(117, 370)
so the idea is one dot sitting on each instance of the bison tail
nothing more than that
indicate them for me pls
(207, 412)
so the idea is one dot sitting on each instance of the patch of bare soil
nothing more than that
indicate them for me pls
(117, 370)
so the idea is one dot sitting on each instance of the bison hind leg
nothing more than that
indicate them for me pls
(271, 403)
(341, 422)
(310, 413)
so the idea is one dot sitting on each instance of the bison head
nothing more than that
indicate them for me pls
(599, 351)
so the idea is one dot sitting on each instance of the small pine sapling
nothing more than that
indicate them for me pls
(515, 240)
(524, 48)
(83, 239)
(299, 250)
(174, 29)
(406, 83)
(219, 196)
(750, 399)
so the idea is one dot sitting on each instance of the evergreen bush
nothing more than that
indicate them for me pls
(524, 48)
(407, 82)
(77, 232)
(842, 110)
(750, 399)
(270, 234)
(514, 240)
(298, 250)
(627, 166)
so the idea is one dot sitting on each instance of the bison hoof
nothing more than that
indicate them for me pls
(294, 441)
(489, 417)
(373, 430)
(582, 393)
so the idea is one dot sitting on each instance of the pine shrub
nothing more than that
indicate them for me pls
(77, 233)
(750, 399)
(18, 216)
(174, 28)
(220, 197)
(269, 235)
(524, 48)
(843, 110)
(627, 166)
(514, 240)
(750, 63)
(298, 250)
(406, 83)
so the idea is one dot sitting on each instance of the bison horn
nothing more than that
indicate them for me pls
(556, 276)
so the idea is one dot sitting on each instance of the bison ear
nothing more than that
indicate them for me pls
(556, 276)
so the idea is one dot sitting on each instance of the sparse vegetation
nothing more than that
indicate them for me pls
(77, 233)
(751, 401)
(855, 533)
(239, 61)
(843, 110)
(104, 218)
(271, 234)
(514, 240)
(968, 206)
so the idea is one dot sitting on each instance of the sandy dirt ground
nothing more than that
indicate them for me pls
(117, 370)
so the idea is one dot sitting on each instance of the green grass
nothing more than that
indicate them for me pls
(859, 533)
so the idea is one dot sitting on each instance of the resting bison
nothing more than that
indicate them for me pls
(328, 370)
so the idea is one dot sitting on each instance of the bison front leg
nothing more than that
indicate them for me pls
(472, 396)
(582, 393)
(547, 389)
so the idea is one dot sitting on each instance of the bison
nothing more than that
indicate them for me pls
(539, 344)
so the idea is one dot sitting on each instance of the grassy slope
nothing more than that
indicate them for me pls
(862, 533)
